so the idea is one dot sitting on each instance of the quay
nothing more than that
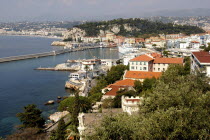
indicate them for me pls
(54, 69)
(44, 54)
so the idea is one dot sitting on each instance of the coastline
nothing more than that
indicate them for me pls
(39, 36)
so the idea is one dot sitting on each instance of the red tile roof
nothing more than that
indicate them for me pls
(114, 90)
(203, 57)
(195, 42)
(142, 74)
(156, 55)
(169, 60)
(142, 58)
(126, 82)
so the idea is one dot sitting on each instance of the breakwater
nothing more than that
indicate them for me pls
(44, 54)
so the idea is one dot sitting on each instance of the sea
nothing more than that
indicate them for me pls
(21, 85)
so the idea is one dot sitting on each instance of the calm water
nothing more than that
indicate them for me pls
(20, 84)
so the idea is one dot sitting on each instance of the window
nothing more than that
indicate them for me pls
(154, 69)
(158, 69)
(140, 63)
(144, 63)
(163, 69)
(132, 67)
(132, 63)
(163, 64)
(145, 68)
(140, 68)
(136, 63)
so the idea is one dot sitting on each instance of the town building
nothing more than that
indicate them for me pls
(141, 63)
(153, 62)
(113, 89)
(161, 64)
(141, 75)
(200, 62)
(131, 105)
(91, 64)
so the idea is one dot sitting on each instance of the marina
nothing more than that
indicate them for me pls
(33, 86)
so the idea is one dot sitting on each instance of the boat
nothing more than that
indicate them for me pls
(50, 102)
(126, 48)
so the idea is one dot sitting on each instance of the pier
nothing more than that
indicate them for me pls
(44, 54)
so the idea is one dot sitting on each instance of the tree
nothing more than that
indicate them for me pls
(207, 48)
(86, 69)
(177, 107)
(60, 133)
(75, 113)
(138, 86)
(31, 117)
(148, 83)
(187, 66)
(68, 104)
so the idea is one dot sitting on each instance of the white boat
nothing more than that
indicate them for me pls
(126, 48)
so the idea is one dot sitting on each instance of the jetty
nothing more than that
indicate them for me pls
(44, 54)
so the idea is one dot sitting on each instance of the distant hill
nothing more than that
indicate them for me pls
(136, 27)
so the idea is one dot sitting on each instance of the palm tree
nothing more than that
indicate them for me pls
(86, 69)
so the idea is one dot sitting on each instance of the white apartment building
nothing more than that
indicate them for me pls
(161, 64)
(200, 62)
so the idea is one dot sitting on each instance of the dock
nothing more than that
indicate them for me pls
(54, 69)
(44, 54)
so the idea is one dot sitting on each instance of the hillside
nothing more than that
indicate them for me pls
(136, 27)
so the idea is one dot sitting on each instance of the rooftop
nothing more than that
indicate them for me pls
(142, 75)
(142, 58)
(126, 82)
(203, 57)
(169, 60)
(114, 90)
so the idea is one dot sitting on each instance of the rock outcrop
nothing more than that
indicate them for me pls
(59, 43)
(74, 34)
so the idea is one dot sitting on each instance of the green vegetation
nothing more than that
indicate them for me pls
(114, 74)
(140, 28)
(31, 117)
(207, 48)
(177, 107)
(68, 104)
(75, 113)
(60, 133)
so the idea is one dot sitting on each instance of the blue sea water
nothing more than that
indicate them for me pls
(21, 85)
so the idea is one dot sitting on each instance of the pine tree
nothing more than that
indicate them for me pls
(75, 112)
(31, 117)
(60, 133)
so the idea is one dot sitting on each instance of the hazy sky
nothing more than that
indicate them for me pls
(11, 10)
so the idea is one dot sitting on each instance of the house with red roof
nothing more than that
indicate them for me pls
(113, 89)
(161, 64)
(200, 62)
(195, 44)
(141, 63)
(153, 62)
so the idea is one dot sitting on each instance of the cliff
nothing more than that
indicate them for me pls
(134, 27)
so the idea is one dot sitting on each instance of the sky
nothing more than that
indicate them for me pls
(17, 10)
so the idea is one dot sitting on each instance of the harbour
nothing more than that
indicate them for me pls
(34, 86)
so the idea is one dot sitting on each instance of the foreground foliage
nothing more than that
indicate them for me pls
(177, 107)
(31, 117)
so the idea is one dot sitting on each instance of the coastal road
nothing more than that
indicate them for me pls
(55, 125)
